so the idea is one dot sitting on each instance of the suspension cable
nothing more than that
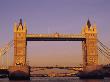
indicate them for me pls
(6, 48)
(104, 47)
(3, 52)
(102, 53)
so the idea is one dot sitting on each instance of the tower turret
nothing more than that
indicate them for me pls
(88, 23)
(95, 28)
(24, 26)
(15, 27)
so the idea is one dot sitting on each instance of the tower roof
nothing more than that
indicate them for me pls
(20, 23)
(88, 23)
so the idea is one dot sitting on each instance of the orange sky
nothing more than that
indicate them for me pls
(55, 53)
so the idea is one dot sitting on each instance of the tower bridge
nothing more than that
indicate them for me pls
(88, 37)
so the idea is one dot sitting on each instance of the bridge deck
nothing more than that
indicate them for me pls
(59, 67)
(55, 37)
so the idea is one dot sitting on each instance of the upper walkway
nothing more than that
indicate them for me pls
(55, 37)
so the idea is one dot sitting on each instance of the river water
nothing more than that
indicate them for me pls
(58, 79)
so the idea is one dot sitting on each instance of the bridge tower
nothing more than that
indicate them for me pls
(19, 70)
(20, 32)
(89, 47)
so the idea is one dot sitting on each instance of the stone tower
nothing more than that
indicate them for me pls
(19, 70)
(20, 32)
(89, 46)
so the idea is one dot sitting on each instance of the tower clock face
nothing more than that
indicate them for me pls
(18, 35)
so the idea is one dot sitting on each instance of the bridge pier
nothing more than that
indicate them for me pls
(19, 73)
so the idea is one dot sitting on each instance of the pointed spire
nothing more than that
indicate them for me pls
(15, 24)
(88, 23)
(24, 24)
(83, 30)
(94, 27)
(25, 27)
(15, 27)
(20, 26)
(20, 23)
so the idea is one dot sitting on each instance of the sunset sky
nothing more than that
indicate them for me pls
(50, 16)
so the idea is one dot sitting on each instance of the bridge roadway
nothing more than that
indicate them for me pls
(55, 37)
(79, 68)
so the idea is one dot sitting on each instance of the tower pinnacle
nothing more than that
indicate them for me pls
(20, 23)
(88, 23)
